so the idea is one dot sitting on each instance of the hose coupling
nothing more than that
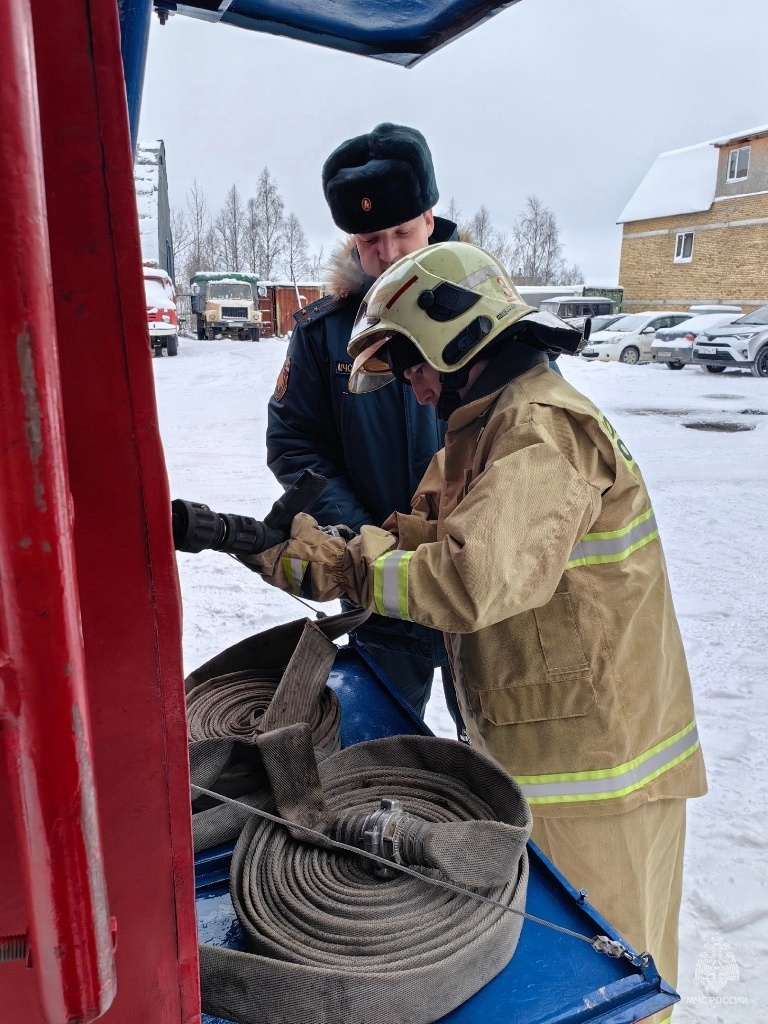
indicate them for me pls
(388, 832)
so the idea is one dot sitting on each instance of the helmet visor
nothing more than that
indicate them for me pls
(371, 370)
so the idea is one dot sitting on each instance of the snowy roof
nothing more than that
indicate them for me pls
(602, 282)
(157, 273)
(681, 180)
(579, 298)
(748, 133)
(148, 151)
(295, 284)
(224, 277)
(550, 289)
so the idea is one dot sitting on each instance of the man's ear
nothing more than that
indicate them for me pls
(429, 219)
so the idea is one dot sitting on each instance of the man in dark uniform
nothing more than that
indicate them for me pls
(372, 448)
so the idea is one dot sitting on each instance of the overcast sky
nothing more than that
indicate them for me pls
(570, 100)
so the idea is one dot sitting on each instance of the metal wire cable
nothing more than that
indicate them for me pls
(601, 943)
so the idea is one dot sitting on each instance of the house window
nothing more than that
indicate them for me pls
(738, 164)
(684, 247)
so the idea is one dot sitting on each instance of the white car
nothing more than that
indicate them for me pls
(629, 340)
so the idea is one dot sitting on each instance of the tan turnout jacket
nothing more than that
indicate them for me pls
(533, 546)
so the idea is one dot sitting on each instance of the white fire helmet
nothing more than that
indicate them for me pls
(450, 300)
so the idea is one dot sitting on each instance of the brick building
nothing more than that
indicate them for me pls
(696, 229)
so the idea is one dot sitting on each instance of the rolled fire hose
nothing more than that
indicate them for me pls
(331, 941)
(240, 706)
(225, 715)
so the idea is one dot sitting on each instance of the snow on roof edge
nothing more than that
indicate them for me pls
(678, 181)
(651, 194)
(725, 139)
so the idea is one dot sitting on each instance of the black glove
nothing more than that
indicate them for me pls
(197, 528)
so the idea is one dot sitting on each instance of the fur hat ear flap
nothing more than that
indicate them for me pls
(379, 180)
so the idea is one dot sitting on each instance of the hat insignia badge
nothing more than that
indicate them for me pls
(366, 204)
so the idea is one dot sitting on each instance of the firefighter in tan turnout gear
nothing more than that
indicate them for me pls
(533, 545)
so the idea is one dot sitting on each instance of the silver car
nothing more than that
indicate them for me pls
(742, 345)
(674, 345)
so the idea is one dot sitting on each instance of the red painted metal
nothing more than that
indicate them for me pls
(124, 565)
(43, 703)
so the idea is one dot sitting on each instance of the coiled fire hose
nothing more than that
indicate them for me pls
(228, 710)
(330, 940)
(340, 930)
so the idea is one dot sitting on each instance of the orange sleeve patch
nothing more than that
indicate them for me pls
(282, 380)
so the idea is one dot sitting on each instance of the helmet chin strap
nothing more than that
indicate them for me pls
(452, 383)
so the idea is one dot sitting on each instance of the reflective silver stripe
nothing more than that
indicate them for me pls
(299, 568)
(596, 548)
(390, 584)
(600, 785)
(294, 569)
(390, 580)
(478, 277)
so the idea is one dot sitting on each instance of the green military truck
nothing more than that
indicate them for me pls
(226, 305)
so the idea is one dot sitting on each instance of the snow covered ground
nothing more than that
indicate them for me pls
(710, 493)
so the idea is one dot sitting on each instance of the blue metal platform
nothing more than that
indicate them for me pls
(552, 978)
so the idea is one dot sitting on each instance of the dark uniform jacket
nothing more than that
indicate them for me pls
(373, 449)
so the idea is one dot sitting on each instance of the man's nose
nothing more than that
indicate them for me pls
(387, 252)
(420, 391)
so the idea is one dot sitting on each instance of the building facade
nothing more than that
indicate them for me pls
(696, 229)
(151, 178)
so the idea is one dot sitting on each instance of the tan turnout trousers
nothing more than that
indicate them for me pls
(633, 863)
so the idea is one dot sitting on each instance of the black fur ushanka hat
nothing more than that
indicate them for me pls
(379, 180)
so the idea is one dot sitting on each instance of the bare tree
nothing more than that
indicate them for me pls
(452, 211)
(316, 266)
(181, 240)
(199, 220)
(480, 231)
(500, 246)
(537, 256)
(570, 275)
(229, 228)
(266, 214)
(209, 249)
(251, 237)
(296, 250)
(481, 228)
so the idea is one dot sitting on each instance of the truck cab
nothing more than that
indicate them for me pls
(162, 315)
(226, 306)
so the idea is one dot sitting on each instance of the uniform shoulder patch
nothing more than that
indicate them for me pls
(282, 380)
(318, 309)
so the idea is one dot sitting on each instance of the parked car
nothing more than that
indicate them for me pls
(162, 317)
(600, 323)
(569, 306)
(742, 344)
(629, 339)
(674, 345)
